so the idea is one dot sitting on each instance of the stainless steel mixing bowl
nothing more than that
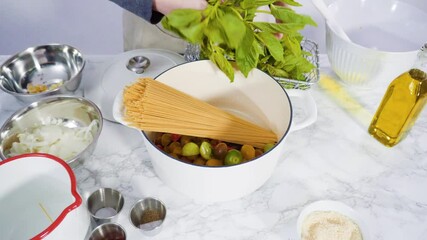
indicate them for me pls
(67, 111)
(57, 67)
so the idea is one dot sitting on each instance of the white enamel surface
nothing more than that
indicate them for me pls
(209, 185)
(116, 76)
(245, 96)
(335, 206)
(308, 104)
(385, 35)
(257, 98)
(75, 226)
(36, 185)
(118, 109)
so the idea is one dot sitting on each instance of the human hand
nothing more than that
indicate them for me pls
(166, 6)
(282, 4)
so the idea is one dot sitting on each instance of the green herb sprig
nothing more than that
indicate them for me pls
(226, 31)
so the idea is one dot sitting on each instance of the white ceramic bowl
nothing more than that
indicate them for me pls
(258, 98)
(335, 206)
(386, 36)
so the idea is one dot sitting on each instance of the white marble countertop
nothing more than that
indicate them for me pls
(335, 159)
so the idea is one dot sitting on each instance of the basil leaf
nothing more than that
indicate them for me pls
(214, 32)
(187, 23)
(247, 53)
(226, 31)
(182, 18)
(288, 15)
(285, 28)
(246, 4)
(233, 28)
(293, 45)
(277, 72)
(292, 3)
(273, 45)
(219, 59)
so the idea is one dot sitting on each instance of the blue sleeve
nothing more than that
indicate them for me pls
(141, 8)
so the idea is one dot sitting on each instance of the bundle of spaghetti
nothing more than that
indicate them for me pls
(150, 105)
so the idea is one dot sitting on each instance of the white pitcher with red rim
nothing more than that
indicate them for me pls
(39, 199)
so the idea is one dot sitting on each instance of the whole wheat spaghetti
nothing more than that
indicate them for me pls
(150, 105)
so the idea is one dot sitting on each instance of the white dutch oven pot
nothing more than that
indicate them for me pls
(39, 200)
(258, 98)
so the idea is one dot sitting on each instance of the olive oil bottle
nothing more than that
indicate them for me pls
(403, 101)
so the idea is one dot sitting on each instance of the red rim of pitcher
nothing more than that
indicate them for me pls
(69, 208)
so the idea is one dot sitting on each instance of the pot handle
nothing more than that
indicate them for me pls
(308, 107)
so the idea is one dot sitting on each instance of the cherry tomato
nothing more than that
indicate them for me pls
(175, 137)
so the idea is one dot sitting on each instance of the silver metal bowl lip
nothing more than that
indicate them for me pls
(51, 99)
(141, 200)
(106, 224)
(32, 49)
(121, 204)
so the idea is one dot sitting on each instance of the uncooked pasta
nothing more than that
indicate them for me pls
(150, 105)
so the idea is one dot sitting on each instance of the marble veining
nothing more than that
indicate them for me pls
(333, 159)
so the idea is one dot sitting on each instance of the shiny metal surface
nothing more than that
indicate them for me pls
(105, 205)
(42, 65)
(70, 110)
(108, 231)
(138, 64)
(148, 215)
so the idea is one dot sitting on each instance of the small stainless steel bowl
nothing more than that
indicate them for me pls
(57, 66)
(67, 111)
(105, 205)
(148, 215)
(108, 231)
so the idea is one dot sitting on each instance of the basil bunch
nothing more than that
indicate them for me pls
(225, 31)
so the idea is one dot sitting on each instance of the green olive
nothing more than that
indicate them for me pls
(206, 150)
(190, 149)
(268, 146)
(233, 157)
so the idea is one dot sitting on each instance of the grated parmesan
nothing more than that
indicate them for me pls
(329, 225)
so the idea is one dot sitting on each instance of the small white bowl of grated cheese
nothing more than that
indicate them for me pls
(67, 127)
(330, 220)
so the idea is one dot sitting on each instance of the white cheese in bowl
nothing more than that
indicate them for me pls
(327, 225)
